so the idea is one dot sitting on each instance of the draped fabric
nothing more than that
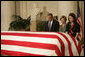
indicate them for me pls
(21, 43)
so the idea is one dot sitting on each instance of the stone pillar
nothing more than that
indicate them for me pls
(7, 10)
(23, 9)
(28, 8)
(44, 14)
(17, 10)
(34, 11)
(82, 16)
(82, 9)
(66, 7)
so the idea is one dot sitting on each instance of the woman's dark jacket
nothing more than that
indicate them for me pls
(73, 30)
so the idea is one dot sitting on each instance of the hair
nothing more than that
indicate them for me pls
(64, 18)
(50, 14)
(74, 17)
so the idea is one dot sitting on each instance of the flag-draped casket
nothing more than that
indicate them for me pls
(20, 43)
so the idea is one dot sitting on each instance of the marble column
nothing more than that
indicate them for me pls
(82, 9)
(7, 10)
(34, 11)
(66, 7)
(17, 10)
(82, 14)
(28, 8)
(23, 9)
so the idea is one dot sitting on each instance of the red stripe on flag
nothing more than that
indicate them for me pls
(79, 47)
(30, 35)
(79, 22)
(29, 44)
(16, 53)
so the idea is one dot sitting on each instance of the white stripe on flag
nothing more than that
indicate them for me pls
(28, 50)
(49, 33)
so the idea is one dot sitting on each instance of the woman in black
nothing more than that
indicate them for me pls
(72, 26)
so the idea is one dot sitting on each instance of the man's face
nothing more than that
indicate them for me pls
(49, 18)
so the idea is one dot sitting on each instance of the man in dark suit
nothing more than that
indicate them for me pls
(51, 25)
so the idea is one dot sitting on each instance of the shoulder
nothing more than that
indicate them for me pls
(46, 22)
(55, 21)
(76, 24)
(68, 23)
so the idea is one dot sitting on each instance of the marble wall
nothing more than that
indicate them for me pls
(7, 10)
(23, 8)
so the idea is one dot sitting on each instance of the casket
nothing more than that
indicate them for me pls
(21, 43)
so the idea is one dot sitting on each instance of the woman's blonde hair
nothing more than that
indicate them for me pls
(64, 17)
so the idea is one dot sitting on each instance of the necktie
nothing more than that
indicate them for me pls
(49, 25)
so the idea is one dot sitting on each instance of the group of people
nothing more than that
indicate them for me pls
(72, 27)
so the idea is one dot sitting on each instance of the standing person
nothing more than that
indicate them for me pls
(72, 26)
(51, 25)
(63, 20)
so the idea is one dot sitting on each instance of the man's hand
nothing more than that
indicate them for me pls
(66, 32)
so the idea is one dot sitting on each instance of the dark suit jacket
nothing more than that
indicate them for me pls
(75, 29)
(54, 27)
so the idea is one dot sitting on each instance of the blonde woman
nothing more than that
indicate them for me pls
(63, 20)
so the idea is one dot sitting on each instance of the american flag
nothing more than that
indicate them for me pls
(79, 20)
(20, 43)
(80, 23)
